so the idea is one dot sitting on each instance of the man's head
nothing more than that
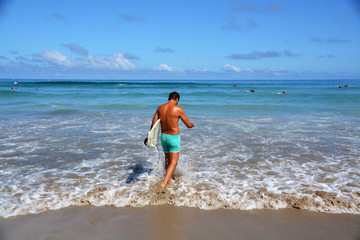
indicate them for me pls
(174, 96)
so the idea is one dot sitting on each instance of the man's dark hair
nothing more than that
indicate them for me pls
(174, 96)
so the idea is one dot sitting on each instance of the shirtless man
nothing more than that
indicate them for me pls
(169, 115)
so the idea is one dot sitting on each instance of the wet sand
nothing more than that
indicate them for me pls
(169, 222)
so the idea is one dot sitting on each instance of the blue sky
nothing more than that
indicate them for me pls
(162, 39)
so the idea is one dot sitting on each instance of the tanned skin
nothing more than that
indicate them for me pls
(169, 114)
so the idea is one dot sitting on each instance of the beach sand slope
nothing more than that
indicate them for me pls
(169, 222)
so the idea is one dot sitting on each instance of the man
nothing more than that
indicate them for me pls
(169, 115)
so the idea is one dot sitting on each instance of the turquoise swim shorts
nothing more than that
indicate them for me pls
(170, 143)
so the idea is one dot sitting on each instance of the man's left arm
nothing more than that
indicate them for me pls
(156, 117)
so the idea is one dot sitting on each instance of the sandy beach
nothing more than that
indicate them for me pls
(169, 222)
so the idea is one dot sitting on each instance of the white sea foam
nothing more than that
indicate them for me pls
(250, 163)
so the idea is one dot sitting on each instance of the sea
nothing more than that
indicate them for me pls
(81, 142)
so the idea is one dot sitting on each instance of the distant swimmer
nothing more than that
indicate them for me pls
(209, 85)
(338, 86)
(252, 90)
(16, 82)
(234, 85)
(346, 85)
(13, 88)
(284, 93)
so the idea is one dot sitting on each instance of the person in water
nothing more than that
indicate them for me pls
(169, 115)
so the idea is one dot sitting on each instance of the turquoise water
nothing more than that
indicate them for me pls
(74, 142)
(308, 97)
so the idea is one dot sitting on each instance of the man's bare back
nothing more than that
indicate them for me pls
(169, 115)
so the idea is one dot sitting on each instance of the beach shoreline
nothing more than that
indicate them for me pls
(81, 143)
(248, 151)
(170, 222)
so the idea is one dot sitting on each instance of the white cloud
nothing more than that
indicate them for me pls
(56, 57)
(232, 68)
(164, 67)
(202, 70)
(278, 71)
(114, 62)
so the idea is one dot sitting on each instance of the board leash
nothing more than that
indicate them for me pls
(158, 152)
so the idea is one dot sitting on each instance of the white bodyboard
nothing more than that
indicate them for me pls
(153, 135)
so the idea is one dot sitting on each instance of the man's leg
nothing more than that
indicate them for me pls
(170, 167)
(167, 163)
(167, 160)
